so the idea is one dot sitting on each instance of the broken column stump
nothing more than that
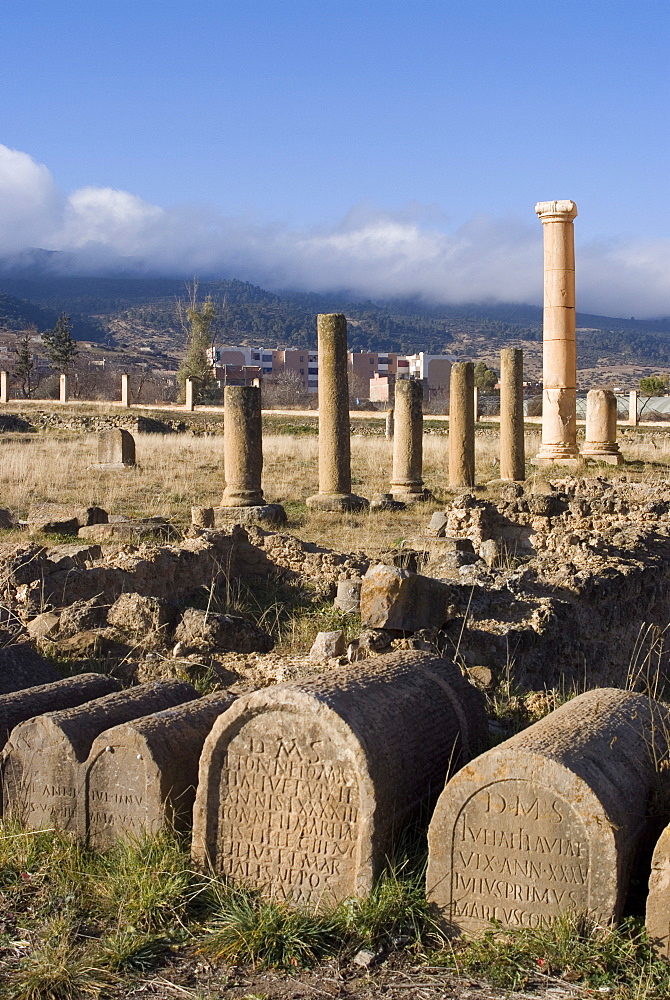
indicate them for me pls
(143, 774)
(44, 764)
(304, 787)
(549, 822)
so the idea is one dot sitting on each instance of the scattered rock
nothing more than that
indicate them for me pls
(481, 677)
(397, 599)
(328, 645)
(212, 632)
(140, 616)
(43, 626)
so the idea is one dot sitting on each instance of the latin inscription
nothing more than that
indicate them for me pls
(289, 812)
(520, 855)
(116, 800)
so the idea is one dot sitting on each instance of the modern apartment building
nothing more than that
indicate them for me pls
(432, 369)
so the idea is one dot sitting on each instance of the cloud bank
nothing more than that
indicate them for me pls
(369, 253)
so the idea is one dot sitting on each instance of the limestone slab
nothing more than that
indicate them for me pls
(304, 787)
(142, 775)
(44, 763)
(116, 448)
(549, 822)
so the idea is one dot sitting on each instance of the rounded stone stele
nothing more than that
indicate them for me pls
(462, 424)
(406, 481)
(549, 822)
(303, 787)
(142, 775)
(601, 414)
(242, 446)
(512, 453)
(334, 431)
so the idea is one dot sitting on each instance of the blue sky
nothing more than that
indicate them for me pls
(337, 143)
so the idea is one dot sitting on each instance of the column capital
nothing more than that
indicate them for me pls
(556, 211)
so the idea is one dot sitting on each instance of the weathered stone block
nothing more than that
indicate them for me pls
(211, 632)
(398, 599)
(63, 519)
(21, 667)
(116, 449)
(348, 598)
(303, 787)
(142, 775)
(328, 644)
(550, 821)
(44, 764)
(139, 615)
(129, 531)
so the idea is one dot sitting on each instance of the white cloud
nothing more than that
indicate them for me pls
(371, 252)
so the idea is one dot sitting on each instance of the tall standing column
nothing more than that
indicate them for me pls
(125, 396)
(64, 393)
(512, 455)
(462, 424)
(389, 424)
(242, 446)
(601, 444)
(559, 349)
(188, 394)
(406, 481)
(633, 418)
(4, 387)
(334, 443)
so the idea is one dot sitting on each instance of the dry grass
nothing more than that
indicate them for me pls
(178, 470)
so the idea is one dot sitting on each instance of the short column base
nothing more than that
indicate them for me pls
(558, 454)
(610, 455)
(242, 498)
(337, 502)
(410, 494)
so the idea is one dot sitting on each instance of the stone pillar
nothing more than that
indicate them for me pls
(475, 402)
(125, 397)
(188, 391)
(633, 418)
(559, 351)
(406, 481)
(601, 444)
(64, 395)
(4, 387)
(390, 424)
(334, 444)
(462, 425)
(512, 456)
(242, 446)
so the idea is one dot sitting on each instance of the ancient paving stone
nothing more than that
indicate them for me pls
(304, 786)
(67, 693)
(21, 667)
(550, 821)
(398, 599)
(142, 775)
(44, 763)
(208, 631)
(658, 900)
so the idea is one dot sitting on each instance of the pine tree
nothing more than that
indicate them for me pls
(60, 345)
(197, 322)
(24, 366)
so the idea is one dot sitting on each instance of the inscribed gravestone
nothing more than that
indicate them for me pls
(550, 821)
(658, 900)
(143, 774)
(116, 449)
(43, 767)
(303, 786)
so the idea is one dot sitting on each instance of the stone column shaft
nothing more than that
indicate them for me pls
(389, 426)
(125, 397)
(633, 418)
(188, 394)
(242, 446)
(334, 433)
(4, 387)
(462, 425)
(512, 454)
(601, 444)
(559, 350)
(475, 402)
(64, 395)
(406, 480)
